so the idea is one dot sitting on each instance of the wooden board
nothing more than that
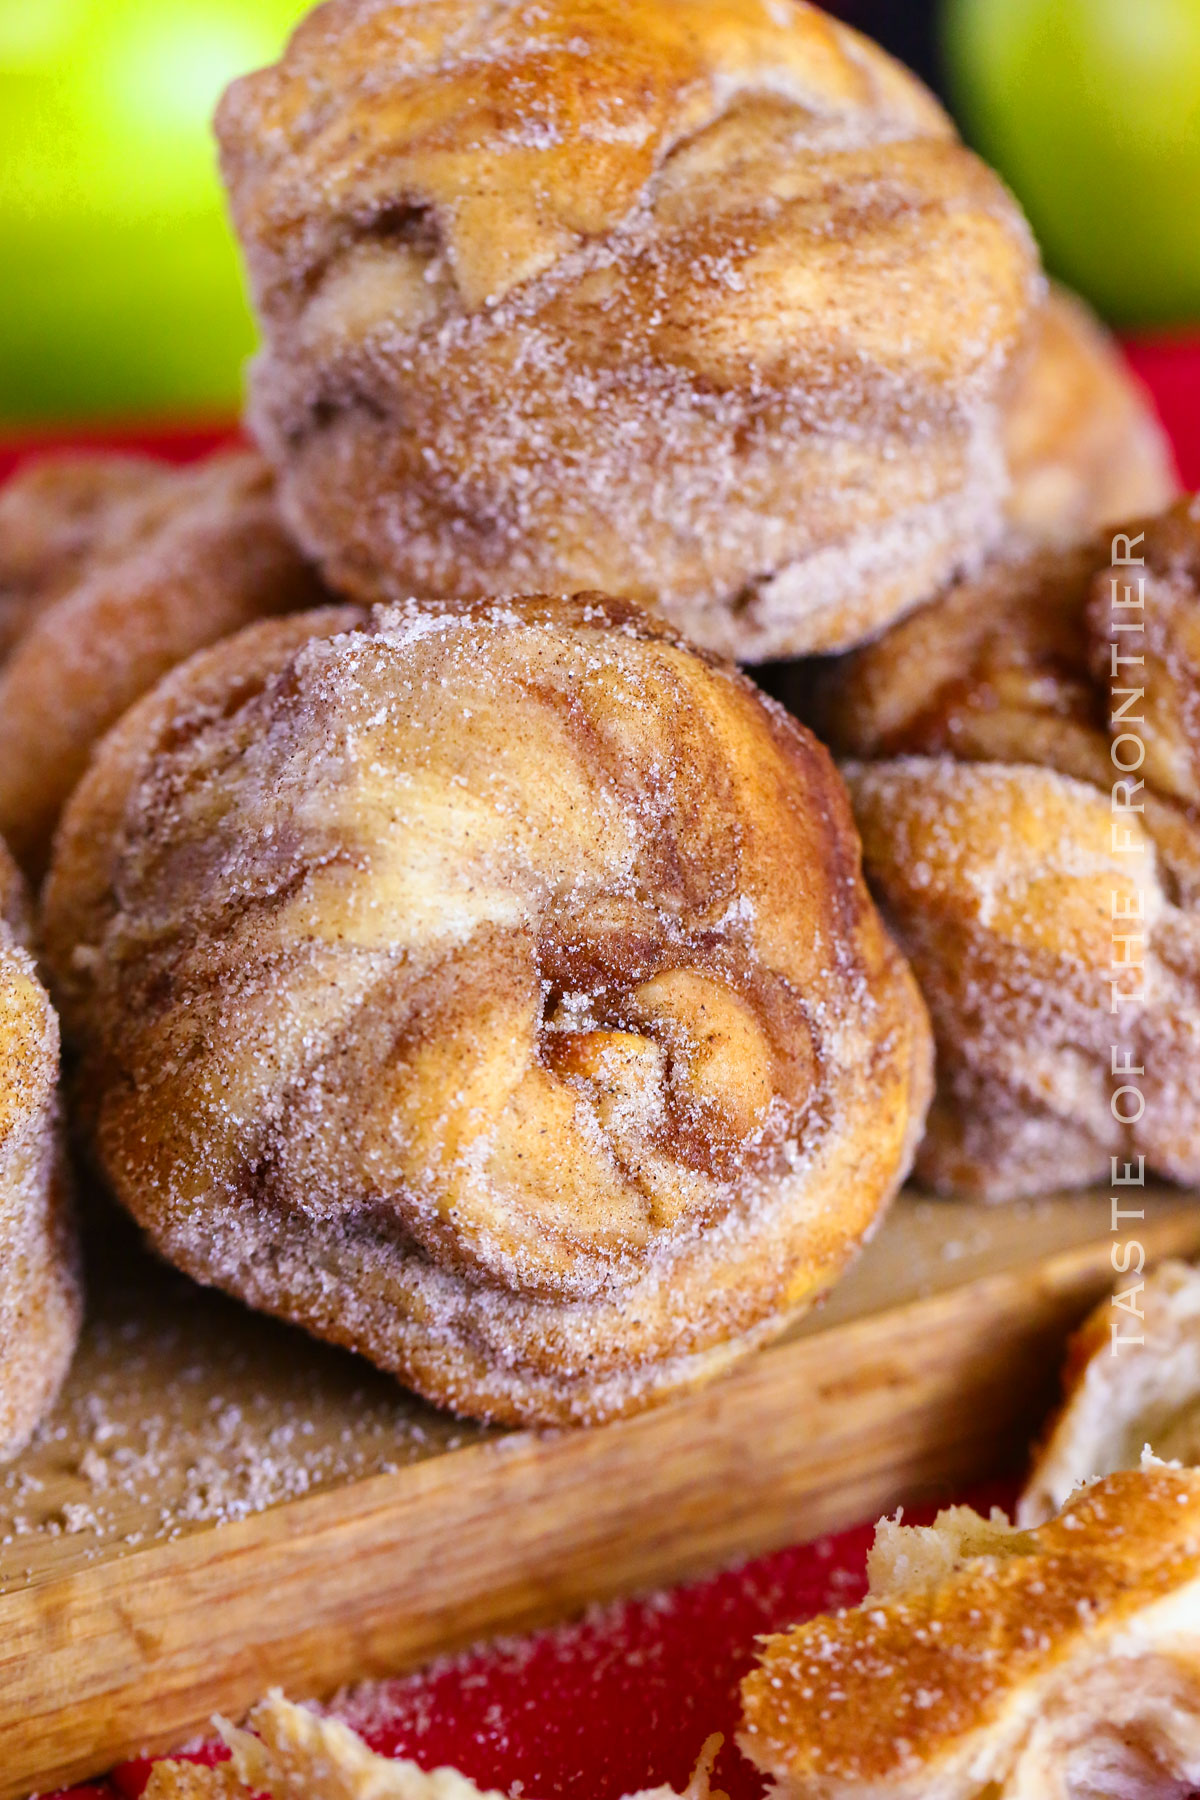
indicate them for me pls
(219, 1504)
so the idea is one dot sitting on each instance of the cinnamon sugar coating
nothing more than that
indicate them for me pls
(698, 301)
(40, 1298)
(112, 570)
(988, 1663)
(1043, 925)
(1084, 443)
(491, 988)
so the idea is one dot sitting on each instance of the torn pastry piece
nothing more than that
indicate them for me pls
(989, 1663)
(1084, 443)
(1030, 829)
(40, 1296)
(698, 301)
(1132, 1383)
(112, 570)
(491, 988)
(173, 1780)
(292, 1753)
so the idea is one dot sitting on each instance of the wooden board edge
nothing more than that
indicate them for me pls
(814, 1434)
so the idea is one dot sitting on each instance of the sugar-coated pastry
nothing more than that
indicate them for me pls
(112, 570)
(40, 1300)
(55, 516)
(989, 1663)
(490, 988)
(1132, 1383)
(1050, 913)
(1084, 443)
(697, 301)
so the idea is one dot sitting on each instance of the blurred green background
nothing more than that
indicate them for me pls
(120, 292)
(1091, 108)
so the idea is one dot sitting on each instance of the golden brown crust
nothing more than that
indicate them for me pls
(985, 794)
(1002, 1665)
(40, 1301)
(531, 1032)
(111, 572)
(699, 301)
(1084, 443)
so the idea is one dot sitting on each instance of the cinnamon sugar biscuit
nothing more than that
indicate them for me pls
(490, 988)
(699, 301)
(984, 786)
(112, 570)
(1084, 443)
(989, 1663)
(40, 1303)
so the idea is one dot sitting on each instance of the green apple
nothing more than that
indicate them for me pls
(120, 287)
(1091, 109)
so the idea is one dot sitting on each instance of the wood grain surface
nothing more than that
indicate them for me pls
(219, 1504)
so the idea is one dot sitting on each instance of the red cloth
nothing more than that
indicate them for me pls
(172, 446)
(626, 1698)
(619, 1701)
(1170, 369)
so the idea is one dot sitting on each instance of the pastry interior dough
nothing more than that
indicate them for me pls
(1122, 1398)
(112, 570)
(698, 301)
(989, 1663)
(40, 1299)
(491, 988)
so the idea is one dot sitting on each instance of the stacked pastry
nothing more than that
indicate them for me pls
(490, 983)
(462, 958)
